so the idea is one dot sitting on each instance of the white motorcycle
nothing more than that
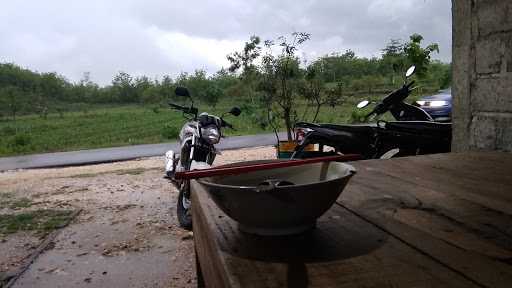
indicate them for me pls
(197, 151)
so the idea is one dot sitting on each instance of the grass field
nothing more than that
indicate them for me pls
(100, 127)
(125, 125)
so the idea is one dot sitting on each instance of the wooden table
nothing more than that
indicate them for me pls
(429, 221)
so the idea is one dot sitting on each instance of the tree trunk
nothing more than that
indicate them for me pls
(318, 105)
(316, 112)
(288, 123)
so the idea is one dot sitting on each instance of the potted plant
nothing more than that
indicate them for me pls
(280, 82)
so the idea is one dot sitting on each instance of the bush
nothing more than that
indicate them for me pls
(170, 132)
(155, 109)
(20, 142)
(8, 131)
(357, 115)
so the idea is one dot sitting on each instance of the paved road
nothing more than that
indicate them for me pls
(94, 156)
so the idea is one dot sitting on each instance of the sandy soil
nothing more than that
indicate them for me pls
(126, 234)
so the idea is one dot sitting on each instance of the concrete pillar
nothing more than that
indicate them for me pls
(482, 75)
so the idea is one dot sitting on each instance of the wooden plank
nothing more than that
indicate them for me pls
(211, 264)
(458, 231)
(343, 251)
(375, 189)
(484, 178)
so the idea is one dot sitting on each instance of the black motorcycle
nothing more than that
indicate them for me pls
(414, 132)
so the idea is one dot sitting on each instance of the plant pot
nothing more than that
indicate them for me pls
(286, 149)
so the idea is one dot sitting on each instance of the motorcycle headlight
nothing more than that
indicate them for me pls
(300, 134)
(210, 134)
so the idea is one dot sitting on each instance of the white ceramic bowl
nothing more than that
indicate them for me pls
(279, 201)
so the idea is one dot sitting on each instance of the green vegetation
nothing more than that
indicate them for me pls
(5, 196)
(20, 203)
(43, 112)
(41, 221)
(84, 175)
(7, 200)
(282, 82)
(101, 127)
(134, 171)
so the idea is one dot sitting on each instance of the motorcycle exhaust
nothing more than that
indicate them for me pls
(171, 160)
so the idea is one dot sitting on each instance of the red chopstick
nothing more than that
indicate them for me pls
(244, 168)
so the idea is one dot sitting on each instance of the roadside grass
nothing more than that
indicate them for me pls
(4, 196)
(20, 203)
(108, 126)
(7, 200)
(99, 128)
(64, 191)
(40, 221)
(85, 175)
(134, 171)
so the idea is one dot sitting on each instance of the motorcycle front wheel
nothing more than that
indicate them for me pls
(184, 207)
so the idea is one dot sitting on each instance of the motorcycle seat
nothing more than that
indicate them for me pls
(342, 139)
(349, 128)
(419, 127)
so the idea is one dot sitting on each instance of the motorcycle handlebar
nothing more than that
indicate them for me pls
(177, 107)
(226, 124)
(188, 110)
(304, 125)
(193, 110)
(391, 99)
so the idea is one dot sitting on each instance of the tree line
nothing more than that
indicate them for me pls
(326, 80)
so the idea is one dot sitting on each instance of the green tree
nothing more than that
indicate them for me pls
(86, 91)
(196, 83)
(151, 95)
(123, 88)
(394, 60)
(167, 87)
(140, 85)
(13, 100)
(53, 86)
(224, 79)
(419, 56)
(245, 60)
(281, 78)
(315, 91)
(212, 94)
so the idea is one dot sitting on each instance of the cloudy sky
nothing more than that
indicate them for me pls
(158, 37)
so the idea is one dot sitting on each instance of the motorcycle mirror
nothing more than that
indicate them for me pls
(235, 111)
(410, 71)
(363, 104)
(181, 91)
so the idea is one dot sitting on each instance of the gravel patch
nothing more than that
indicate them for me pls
(126, 235)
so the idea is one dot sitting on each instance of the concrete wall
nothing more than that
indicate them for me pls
(482, 75)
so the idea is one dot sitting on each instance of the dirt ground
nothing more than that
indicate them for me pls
(124, 235)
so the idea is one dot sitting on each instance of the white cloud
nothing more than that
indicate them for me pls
(157, 37)
(191, 52)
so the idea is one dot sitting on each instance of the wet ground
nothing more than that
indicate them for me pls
(125, 234)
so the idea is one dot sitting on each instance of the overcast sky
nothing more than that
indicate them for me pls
(158, 37)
